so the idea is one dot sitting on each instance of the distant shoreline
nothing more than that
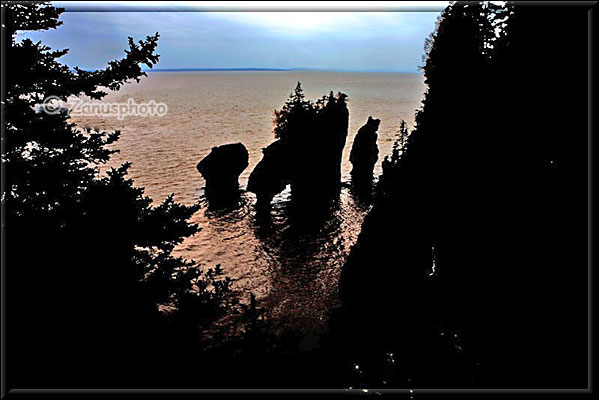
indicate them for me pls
(268, 70)
(212, 69)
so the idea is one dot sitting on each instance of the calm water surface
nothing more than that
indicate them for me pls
(293, 272)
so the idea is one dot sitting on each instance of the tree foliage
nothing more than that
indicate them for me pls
(88, 254)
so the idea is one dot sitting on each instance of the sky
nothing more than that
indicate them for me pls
(386, 37)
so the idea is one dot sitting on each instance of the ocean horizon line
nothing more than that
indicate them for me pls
(250, 69)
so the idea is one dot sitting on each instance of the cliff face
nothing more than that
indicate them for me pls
(481, 227)
(307, 152)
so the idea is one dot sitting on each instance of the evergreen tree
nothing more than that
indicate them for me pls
(295, 109)
(89, 259)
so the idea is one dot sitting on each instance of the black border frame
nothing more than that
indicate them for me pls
(309, 6)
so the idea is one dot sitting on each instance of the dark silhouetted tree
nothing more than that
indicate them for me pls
(89, 259)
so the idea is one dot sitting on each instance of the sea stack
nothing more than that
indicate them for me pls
(221, 169)
(307, 153)
(363, 156)
(270, 176)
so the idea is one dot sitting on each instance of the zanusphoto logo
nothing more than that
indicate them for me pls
(75, 106)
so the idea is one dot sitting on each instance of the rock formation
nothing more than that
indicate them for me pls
(307, 152)
(221, 169)
(270, 176)
(363, 156)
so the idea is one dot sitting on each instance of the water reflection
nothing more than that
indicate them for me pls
(290, 260)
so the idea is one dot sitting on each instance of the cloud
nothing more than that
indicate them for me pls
(389, 41)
